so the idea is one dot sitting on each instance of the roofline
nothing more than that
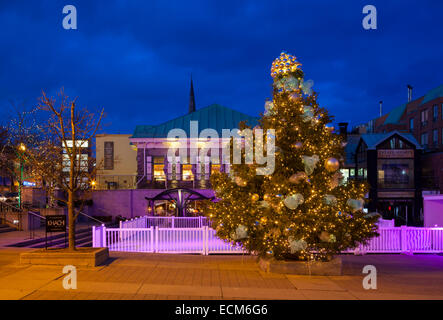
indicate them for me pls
(390, 134)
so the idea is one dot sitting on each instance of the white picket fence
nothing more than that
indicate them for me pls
(165, 222)
(405, 239)
(193, 235)
(162, 240)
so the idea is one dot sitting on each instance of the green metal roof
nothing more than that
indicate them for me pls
(395, 114)
(372, 140)
(433, 94)
(215, 117)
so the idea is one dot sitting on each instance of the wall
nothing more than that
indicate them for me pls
(433, 210)
(125, 160)
(126, 203)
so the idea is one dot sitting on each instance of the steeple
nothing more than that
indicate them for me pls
(191, 98)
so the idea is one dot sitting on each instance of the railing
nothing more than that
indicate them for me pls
(165, 222)
(405, 239)
(162, 240)
(204, 240)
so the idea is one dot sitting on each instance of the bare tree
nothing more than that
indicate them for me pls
(20, 133)
(68, 131)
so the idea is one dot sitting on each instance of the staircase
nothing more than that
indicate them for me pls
(83, 238)
(5, 228)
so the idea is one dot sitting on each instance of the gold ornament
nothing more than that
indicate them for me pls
(267, 197)
(263, 220)
(329, 127)
(332, 164)
(284, 64)
(297, 145)
(255, 197)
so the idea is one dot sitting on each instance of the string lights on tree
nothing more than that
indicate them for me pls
(303, 210)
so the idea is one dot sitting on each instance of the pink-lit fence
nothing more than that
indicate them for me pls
(165, 222)
(162, 240)
(204, 240)
(405, 239)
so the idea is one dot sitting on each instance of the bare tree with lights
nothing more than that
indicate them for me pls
(67, 131)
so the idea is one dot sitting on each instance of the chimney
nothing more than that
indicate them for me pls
(409, 93)
(381, 108)
(343, 128)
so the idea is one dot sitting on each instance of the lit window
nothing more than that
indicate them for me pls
(187, 172)
(159, 173)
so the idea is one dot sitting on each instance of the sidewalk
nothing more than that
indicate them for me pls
(162, 276)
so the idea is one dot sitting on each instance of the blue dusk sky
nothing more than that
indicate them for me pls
(135, 58)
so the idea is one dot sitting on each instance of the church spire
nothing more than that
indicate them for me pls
(191, 98)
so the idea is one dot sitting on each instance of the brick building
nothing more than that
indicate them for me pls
(423, 118)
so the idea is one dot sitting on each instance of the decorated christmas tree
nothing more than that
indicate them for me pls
(302, 210)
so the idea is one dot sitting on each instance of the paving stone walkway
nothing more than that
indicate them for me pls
(161, 276)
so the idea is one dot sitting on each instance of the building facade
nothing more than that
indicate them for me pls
(116, 161)
(389, 162)
(423, 118)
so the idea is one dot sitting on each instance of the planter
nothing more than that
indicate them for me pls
(82, 257)
(314, 268)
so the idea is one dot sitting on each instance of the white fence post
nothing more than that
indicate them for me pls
(205, 241)
(93, 237)
(404, 242)
(152, 238)
(156, 239)
(104, 236)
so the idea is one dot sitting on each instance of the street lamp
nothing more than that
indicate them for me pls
(93, 184)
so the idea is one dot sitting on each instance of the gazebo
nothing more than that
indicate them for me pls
(181, 196)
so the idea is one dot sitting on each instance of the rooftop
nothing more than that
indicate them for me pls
(214, 116)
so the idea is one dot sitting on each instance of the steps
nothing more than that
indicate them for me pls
(83, 238)
(5, 228)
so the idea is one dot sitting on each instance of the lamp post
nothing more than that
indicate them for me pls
(22, 149)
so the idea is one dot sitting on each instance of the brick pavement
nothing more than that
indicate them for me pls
(160, 276)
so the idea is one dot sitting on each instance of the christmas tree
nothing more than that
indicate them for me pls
(302, 210)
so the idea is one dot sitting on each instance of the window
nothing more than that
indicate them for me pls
(159, 169)
(435, 112)
(109, 155)
(187, 172)
(424, 139)
(435, 137)
(395, 173)
(424, 118)
(411, 124)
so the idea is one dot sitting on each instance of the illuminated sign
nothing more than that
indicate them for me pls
(29, 184)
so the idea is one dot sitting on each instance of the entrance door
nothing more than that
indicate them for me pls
(400, 210)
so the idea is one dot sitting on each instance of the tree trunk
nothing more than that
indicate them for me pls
(71, 220)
